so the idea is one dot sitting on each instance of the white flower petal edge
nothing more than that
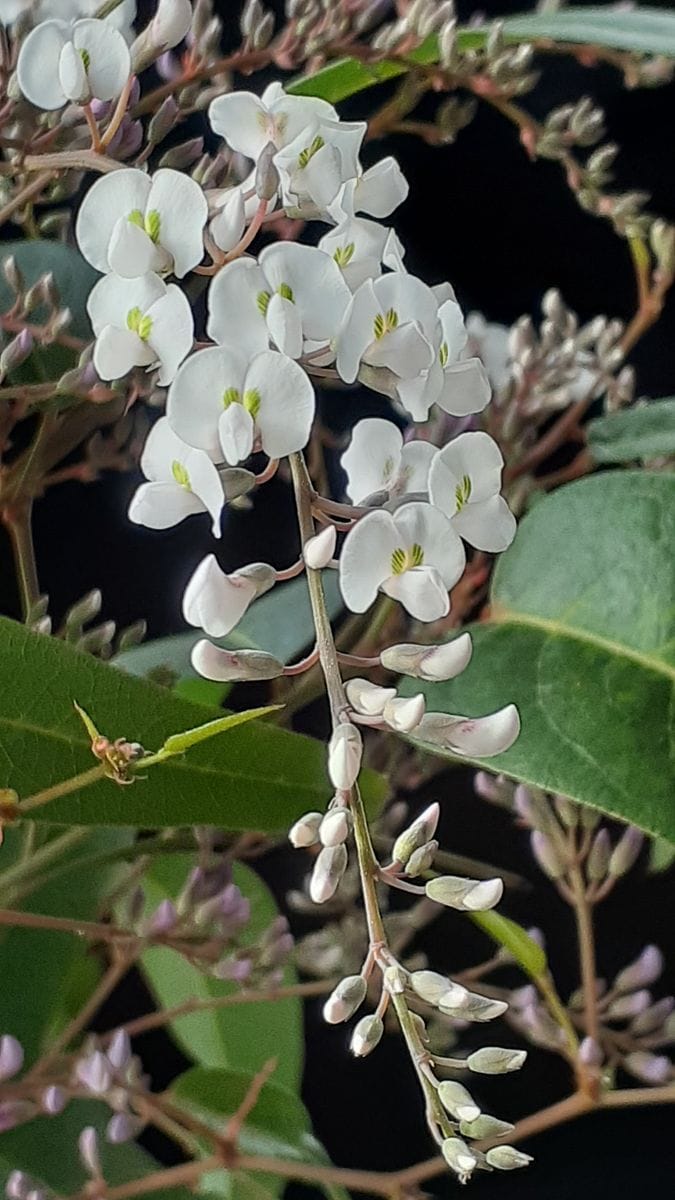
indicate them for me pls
(472, 737)
(182, 481)
(464, 483)
(59, 62)
(216, 602)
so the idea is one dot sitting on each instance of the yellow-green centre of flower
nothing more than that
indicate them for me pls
(344, 254)
(86, 58)
(137, 323)
(404, 560)
(309, 151)
(250, 400)
(385, 323)
(180, 474)
(462, 492)
(150, 222)
(262, 300)
(443, 354)
(286, 292)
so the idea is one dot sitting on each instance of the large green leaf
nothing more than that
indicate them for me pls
(642, 432)
(582, 639)
(279, 1125)
(252, 777)
(73, 276)
(280, 622)
(643, 30)
(241, 1036)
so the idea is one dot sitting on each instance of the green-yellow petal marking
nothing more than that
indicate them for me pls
(286, 292)
(180, 474)
(231, 396)
(309, 151)
(385, 323)
(443, 354)
(343, 255)
(252, 402)
(137, 323)
(86, 59)
(150, 223)
(262, 300)
(404, 560)
(463, 492)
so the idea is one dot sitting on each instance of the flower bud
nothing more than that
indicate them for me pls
(422, 859)
(650, 1068)
(598, 858)
(662, 239)
(88, 1147)
(119, 1050)
(546, 853)
(252, 14)
(329, 868)
(13, 274)
(345, 999)
(429, 985)
(167, 28)
(335, 827)
(404, 715)
(433, 663)
(630, 1005)
(366, 697)
(533, 809)
(182, 156)
(507, 1158)
(121, 1128)
(395, 979)
(236, 481)
(645, 970)
(318, 550)
(93, 1072)
(654, 1017)
(163, 121)
(485, 1127)
(53, 1100)
(16, 352)
(305, 832)
(472, 1007)
(495, 1060)
(214, 662)
(416, 835)
(164, 918)
(345, 751)
(11, 1057)
(266, 181)
(458, 1101)
(567, 810)
(467, 895)
(625, 853)
(367, 1033)
(459, 1158)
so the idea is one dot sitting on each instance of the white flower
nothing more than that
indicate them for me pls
(248, 122)
(458, 385)
(464, 482)
(131, 223)
(491, 343)
(139, 323)
(378, 460)
(319, 550)
(390, 322)
(413, 555)
(320, 159)
(360, 247)
(472, 737)
(122, 16)
(228, 405)
(377, 192)
(228, 224)
(292, 295)
(182, 481)
(59, 62)
(216, 602)
(345, 751)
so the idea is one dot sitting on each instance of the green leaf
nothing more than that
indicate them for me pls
(643, 30)
(256, 777)
(582, 639)
(661, 856)
(242, 1036)
(46, 1149)
(279, 1125)
(280, 622)
(73, 276)
(507, 933)
(179, 743)
(645, 431)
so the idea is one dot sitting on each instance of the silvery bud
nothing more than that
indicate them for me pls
(347, 997)
(182, 156)
(432, 663)
(662, 240)
(630, 1005)
(263, 32)
(329, 868)
(495, 1060)
(422, 859)
(13, 275)
(163, 121)
(646, 969)
(653, 1017)
(472, 1007)
(214, 662)
(404, 715)
(88, 1147)
(395, 979)
(429, 985)
(625, 853)
(547, 855)
(84, 610)
(467, 895)
(345, 751)
(11, 1057)
(532, 808)
(486, 1127)
(251, 16)
(567, 810)
(416, 835)
(366, 697)
(458, 1101)
(598, 858)
(266, 182)
(318, 550)
(507, 1158)
(305, 832)
(459, 1157)
(590, 817)
(16, 352)
(53, 1100)
(367, 1033)
(335, 827)
(167, 28)
(650, 1068)
(590, 1052)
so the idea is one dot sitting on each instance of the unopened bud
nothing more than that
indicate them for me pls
(84, 610)
(11, 1057)
(507, 1158)
(590, 1052)
(395, 979)
(366, 1036)
(459, 1158)
(404, 715)
(547, 855)
(467, 895)
(182, 156)
(262, 35)
(416, 835)
(329, 868)
(335, 827)
(654, 1017)
(345, 751)
(644, 971)
(347, 997)
(421, 860)
(252, 14)
(305, 832)
(318, 550)
(432, 663)
(167, 28)
(486, 1127)
(533, 808)
(214, 662)
(662, 239)
(495, 1060)
(16, 352)
(266, 182)
(53, 1100)
(567, 810)
(88, 1147)
(163, 121)
(471, 1007)
(368, 698)
(13, 275)
(630, 1005)
(598, 858)
(458, 1101)
(430, 985)
(650, 1068)
(625, 853)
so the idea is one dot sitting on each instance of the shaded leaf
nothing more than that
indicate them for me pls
(642, 432)
(507, 933)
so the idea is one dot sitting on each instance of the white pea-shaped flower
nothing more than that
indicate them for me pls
(249, 122)
(59, 62)
(458, 385)
(131, 223)
(315, 165)
(378, 460)
(229, 405)
(216, 602)
(465, 478)
(181, 481)
(139, 323)
(377, 192)
(360, 248)
(472, 737)
(413, 555)
(390, 322)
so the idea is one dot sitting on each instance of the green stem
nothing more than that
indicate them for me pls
(29, 867)
(17, 521)
(74, 784)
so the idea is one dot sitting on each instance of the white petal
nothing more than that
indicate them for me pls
(183, 210)
(205, 483)
(415, 463)
(172, 332)
(447, 660)
(109, 59)
(418, 394)
(411, 299)
(475, 737)
(372, 459)
(394, 252)
(112, 298)
(131, 252)
(405, 351)
(214, 601)
(454, 330)
(117, 351)
(236, 431)
(161, 505)
(195, 401)
(73, 75)
(322, 178)
(381, 189)
(284, 325)
(367, 697)
(235, 317)
(242, 119)
(196, 476)
(465, 388)
(317, 551)
(293, 113)
(37, 66)
(475, 456)
(318, 288)
(228, 225)
(356, 239)
(287, 403)
(365, 560)
(488, 524)
(423, 525)
(356, 331)
(421, 591)
(404, 714)
(112, 196)
(162, 447)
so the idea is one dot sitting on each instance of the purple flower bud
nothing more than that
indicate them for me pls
(236, 969)
(164, 918)
(53, 1100)
(598, 858)
(93, 1072)
(119, 1050)
(630, 1005)
(625, 852)
(642, 972)
(487, 786)
(18, 1185)
(100, 108)
(121, 1128)
(590, 1052)
(88, 1147)
(135, 93)
(168, 66)
(15, 1112)
(203, 884)
(11, 1057)
(128, 139)
(537, 935)
(653, 1017)
(546, 854)
(650, 1068)
(16, 352)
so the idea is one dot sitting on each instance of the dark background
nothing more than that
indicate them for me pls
(503, 230)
